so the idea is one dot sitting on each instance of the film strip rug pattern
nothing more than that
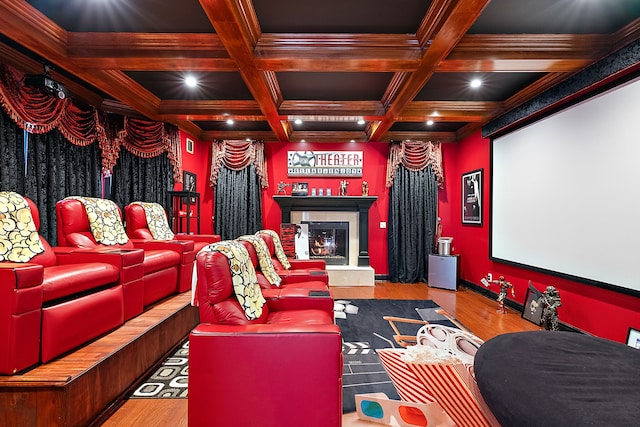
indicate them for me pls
(363, 372)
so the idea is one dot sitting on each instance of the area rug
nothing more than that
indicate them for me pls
(363, 331)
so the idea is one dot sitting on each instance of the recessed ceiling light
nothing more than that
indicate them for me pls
(230, 121)
(190, 81)
(475, 83)
(361, 122)
(429, 122)
(298, 121)
(353, 140)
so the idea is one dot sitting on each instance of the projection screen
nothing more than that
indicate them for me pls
(565, 192)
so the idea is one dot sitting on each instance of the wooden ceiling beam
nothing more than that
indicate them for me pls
(343, 108)
(212, 135)
(29, 27)
(418, 136)
(329, 136)
(337, 52)
(201, 109)
(150, 51)
(235, 24)
(525, 52)
(455, 24)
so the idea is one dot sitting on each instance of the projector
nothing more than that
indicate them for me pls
(47, 84)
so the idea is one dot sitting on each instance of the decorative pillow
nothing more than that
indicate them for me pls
(243, 276)
(104, 220)
(156, 220)
(282, 257)
(19, 239)
(266, 265)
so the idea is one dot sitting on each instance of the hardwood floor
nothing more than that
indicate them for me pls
(475, 311)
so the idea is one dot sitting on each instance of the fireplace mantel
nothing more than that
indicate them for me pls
(360, 204)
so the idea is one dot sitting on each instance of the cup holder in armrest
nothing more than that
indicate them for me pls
(319, 293)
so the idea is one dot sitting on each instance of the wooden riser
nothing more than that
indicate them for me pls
(75, 389)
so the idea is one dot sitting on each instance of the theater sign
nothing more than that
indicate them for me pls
(324, 163)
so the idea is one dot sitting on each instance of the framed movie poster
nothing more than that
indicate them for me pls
(533, 305)
(472, 197)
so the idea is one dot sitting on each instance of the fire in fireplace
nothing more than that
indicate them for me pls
(329, 240)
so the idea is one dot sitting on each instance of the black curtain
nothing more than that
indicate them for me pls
(238, 203)
(57, 169)
(413, 199)
(138, 179)
(11, 155)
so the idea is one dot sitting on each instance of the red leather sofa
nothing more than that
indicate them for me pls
(301, 269)
(283, 369)
(137, 228)
(167, 265)
(59, 300)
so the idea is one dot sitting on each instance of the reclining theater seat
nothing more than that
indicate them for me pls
(138, 228)
(283, 368)
(301, 295)
(52, 302)
(292, 270)
(167, 265)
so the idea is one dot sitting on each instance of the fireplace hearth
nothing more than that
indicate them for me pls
(329, 241)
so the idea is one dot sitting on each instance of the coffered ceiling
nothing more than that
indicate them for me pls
(392, 65)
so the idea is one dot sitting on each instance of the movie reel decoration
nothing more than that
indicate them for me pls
(459, 343)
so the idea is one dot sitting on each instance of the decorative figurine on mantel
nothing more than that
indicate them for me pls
(343, 187)
(365, 188)
(551, 302)
(504, 287)
(282, 187)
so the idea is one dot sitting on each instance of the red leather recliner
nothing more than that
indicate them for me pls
(283, 369)
(167, 265)
(59, 300)
(301, 295)
(137, 228)
(301, 269)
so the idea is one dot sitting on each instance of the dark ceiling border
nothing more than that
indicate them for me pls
(619, 61)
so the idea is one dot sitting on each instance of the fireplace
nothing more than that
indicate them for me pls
(354, 209)
(329, 241)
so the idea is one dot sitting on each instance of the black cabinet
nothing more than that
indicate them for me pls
(184, 208)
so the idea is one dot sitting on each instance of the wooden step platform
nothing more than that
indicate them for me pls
(74, 390)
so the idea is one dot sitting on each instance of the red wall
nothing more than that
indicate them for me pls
(595, 310)
(199, 163)
(598, 311)
(374, 169)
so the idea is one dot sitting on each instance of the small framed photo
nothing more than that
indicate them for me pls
(300, 189)
(472, 197)
(189, 145)
(633, 338)
(533, 305)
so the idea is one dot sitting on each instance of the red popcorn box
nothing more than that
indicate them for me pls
(450, 384)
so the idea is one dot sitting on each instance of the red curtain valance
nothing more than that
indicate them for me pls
(415, 156)
(237, 155)
(37, 112)
(142, 138)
